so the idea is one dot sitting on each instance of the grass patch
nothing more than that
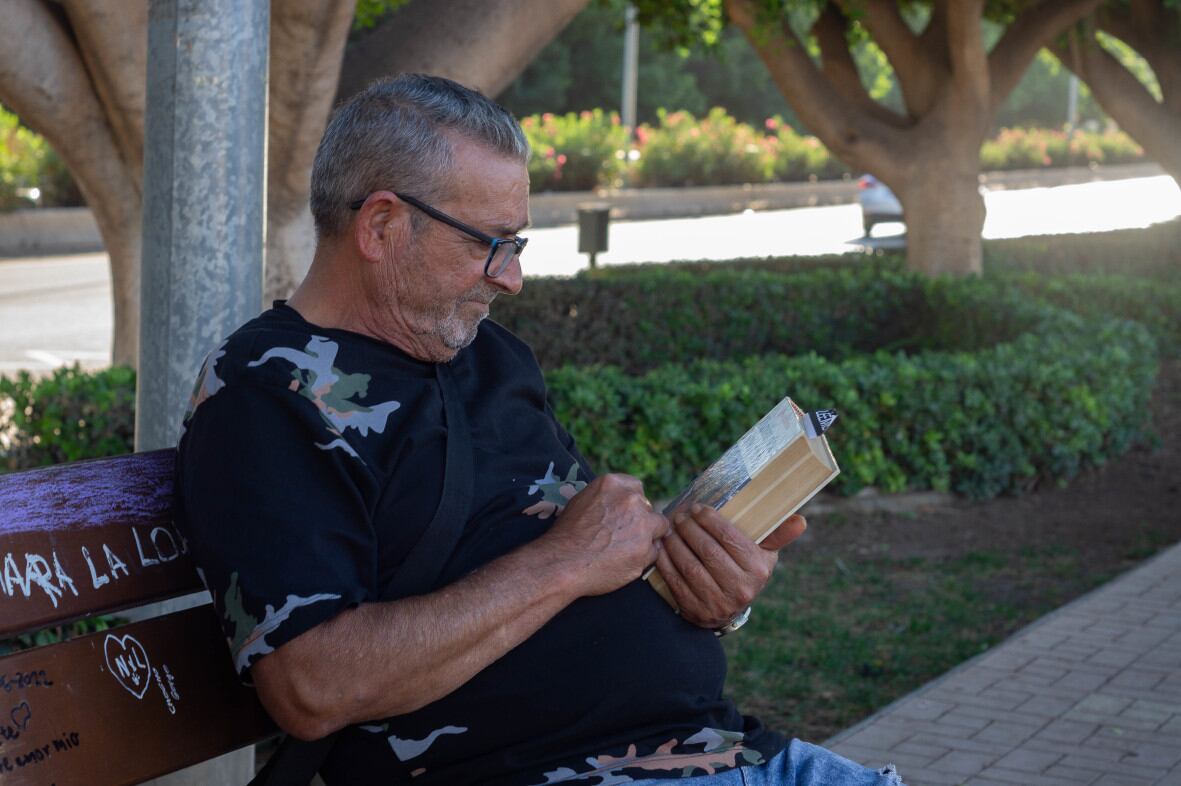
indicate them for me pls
(832, 640)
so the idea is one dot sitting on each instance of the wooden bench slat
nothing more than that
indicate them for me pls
(125, 705)
(88, 538)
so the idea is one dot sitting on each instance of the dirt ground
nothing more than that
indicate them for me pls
(1112, 517)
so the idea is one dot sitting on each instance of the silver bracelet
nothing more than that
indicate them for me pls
(734, 624)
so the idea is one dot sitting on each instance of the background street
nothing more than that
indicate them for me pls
(56, 310)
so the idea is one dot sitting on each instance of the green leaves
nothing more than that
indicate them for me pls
(69, 415)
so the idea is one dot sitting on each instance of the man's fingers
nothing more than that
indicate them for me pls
(717, 541)
(681, 591)
(689, 565)
(786, 534)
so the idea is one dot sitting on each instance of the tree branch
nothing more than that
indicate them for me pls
(1031, 31)
(1155, 34)
(914, 65)
(111, 38)
(838, 65)
(851, 134)
(488, 56)
(965, 47)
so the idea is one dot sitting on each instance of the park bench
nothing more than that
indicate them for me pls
(126, 704)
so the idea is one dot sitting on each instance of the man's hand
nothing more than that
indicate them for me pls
(713, 570)
(607, 534)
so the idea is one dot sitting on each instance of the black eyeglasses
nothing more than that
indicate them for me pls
(501, 249)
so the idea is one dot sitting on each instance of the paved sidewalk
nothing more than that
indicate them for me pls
(1090, 694)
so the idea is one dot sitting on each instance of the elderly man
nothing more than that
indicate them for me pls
(406, 548)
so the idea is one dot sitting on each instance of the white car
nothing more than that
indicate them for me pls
(878, 203)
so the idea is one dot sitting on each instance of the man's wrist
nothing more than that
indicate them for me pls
(734, 624)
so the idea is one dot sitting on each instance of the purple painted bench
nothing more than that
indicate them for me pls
(122, 705)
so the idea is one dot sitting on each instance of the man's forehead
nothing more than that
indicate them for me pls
(492, 186)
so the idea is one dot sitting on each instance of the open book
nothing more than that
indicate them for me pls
(764, 477)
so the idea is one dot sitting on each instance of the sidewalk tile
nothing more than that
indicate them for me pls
(1082, 681)
(912, 748)
(1029, 761)
(962, 763)
(1138, 678)
(1028, 778)
(1080, 775)
(1103, 704)
(1068, 731)
(923, 709)
(880, 736)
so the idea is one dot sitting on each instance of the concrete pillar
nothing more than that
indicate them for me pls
(203, 228)
(204, 195)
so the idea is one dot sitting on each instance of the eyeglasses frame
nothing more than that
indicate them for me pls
(494, 243)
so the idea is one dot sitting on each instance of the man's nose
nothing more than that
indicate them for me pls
(512, 279)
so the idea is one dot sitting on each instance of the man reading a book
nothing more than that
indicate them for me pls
(407, 550)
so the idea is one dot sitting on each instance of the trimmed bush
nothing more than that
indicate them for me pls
(997, 421)
(639, 319)
(70, 415)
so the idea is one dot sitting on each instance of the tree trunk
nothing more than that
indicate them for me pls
(944, 215)
(307, 38)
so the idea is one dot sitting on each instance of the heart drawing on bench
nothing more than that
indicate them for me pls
(128, 661)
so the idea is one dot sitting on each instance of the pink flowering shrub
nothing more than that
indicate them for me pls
(587, 150)
(1030, 148)
(716, 150)
(576, 151)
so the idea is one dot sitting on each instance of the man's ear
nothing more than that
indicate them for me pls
(380, 220)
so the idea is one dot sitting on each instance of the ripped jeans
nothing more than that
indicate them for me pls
(800, 764)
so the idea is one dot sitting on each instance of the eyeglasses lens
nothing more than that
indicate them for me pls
(499, 258)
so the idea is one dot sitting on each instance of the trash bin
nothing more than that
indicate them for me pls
(592, 228)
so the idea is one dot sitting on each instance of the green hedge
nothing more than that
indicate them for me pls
(69, 415)
(979, 424)
(638, 318)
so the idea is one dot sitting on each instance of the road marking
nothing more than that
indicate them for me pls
(61, 357)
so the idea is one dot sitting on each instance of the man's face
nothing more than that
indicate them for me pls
(436, 282)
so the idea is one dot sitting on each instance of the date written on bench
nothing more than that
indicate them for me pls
(104, 564)
(25, 679)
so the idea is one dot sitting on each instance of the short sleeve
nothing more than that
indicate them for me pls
(277, 516)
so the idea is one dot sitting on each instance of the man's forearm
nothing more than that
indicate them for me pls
(383, 659)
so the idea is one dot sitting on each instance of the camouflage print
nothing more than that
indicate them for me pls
(722, 750)
(554, 493)
(334, 393)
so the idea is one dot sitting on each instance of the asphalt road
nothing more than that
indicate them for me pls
(56, 310)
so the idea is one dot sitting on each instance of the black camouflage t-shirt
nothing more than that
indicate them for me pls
(313, 458)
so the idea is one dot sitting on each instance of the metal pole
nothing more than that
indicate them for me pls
(631, 65)
(204, 199)
(1072, 105)
(204, 195)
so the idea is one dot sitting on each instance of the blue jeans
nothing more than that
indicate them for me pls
(800, 764)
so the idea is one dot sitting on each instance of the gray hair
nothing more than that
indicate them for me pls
(391, 136)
